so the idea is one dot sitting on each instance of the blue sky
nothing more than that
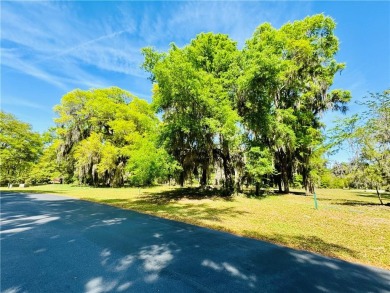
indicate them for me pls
(50, 48)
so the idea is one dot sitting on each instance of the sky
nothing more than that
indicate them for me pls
(51, 48)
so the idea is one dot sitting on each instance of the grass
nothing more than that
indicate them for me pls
(349, 225)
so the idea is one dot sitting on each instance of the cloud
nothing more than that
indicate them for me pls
(53, 43)
(13, 59)
(70, 44)
(24, 103)
(182, 21)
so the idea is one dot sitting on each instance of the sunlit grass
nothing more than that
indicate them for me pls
(349, 225)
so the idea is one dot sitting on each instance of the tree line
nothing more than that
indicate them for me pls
(251, 114)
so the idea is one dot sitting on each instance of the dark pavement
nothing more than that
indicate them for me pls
(56, 244)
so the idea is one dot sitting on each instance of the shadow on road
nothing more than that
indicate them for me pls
(56, 244)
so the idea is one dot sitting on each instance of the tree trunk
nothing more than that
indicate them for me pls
(284, 164)
(305, 181)
(379, 195)
(229, 185)
(278, 181)
(203, 180)
(181, 178)
(286, 183)
(238, 187)
(257, 192)
(311, 187)
(228, 169)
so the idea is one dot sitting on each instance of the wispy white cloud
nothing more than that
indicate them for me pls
(52, 43)
(24, 103)
(238, 19)
(58, 42)
(12, 58)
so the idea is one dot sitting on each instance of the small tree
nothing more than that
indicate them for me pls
(259, 163)
(369, 138)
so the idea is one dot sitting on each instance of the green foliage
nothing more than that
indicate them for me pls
(47, 168)
(193, 91)
(284, 88)
(329, 180)
(20, 148)
(368, 137)
(374, 138)
(251, 113)
(259, 163)
(100, 131)
(148, 163)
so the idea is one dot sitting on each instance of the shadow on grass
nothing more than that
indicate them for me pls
(351, 202)
(263, 193)
(309, 243)
(273, 192)
(173, 210)
(173, 195)
(361, 203)
(299, 193)
(385, 195)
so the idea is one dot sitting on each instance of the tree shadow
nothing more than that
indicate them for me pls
(385, 196)
(77, 246)
(360, 203)
(263, 193)
(298, 193)
(168, 209)
(351, 202)
(311, 243)
(190, 193)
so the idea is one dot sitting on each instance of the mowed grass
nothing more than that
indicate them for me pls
(350, 225)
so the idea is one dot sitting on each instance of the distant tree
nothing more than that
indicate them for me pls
(259, 163)
(20, 148)
(47, 167)
(369, 138)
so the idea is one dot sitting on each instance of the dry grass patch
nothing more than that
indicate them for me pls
(349, 225)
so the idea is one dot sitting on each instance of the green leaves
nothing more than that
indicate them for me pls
(287, 73)
(20, 148)
(193, 90)
(99, 130)
(259, 163)
(149, 163)
(368, 138)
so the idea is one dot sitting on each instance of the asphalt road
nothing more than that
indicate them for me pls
(51, 243)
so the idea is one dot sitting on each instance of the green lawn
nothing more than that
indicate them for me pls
(349, 225)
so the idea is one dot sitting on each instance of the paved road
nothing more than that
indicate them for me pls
(56, 244)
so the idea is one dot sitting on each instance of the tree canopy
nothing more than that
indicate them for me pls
(101, 132)
(20, 148)
(273, 92)
(194, 91)
(284, 88)
(368, 136)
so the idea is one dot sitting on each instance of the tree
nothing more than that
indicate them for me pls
(20, 148)
(369, 138)
(149, 163)
(47, 167)
(99, 129)
(259, 163)
(193, 91)
(284, 88)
